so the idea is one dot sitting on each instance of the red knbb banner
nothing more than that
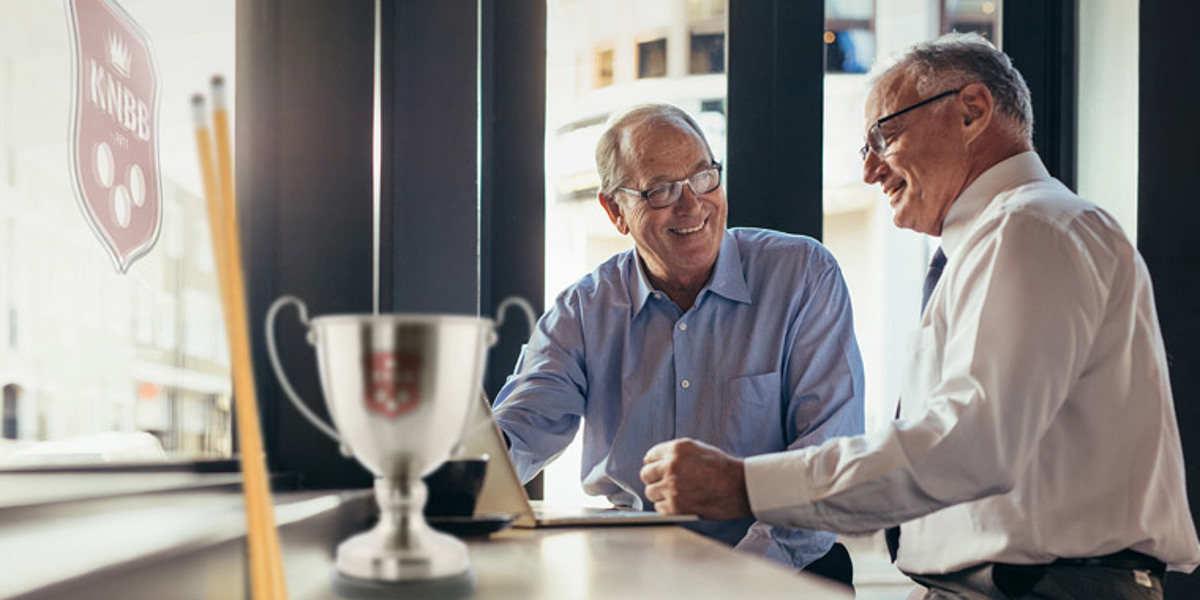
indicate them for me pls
(114, 132)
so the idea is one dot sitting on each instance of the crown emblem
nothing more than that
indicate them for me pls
(118, 54)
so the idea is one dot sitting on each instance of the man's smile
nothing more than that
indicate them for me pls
(893, 192)
(690, 230)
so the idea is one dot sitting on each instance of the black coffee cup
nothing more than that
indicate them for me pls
(454, 487)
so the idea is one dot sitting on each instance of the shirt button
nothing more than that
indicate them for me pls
(685, 384)
(683, 326)
(658, 295)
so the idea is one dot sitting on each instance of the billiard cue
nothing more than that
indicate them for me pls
(266, 571)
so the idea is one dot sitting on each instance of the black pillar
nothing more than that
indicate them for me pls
(513, 198)
(303, 114)
(431, 125)
(1168, 214)
(1040, 37)
(775, 112)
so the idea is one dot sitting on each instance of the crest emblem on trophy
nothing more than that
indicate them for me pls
(114, 130)
(393, 387)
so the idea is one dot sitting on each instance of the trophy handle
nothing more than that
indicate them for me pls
(469, 430)
(283, 380)
(519, 302)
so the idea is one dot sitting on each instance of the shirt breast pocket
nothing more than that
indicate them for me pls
(752, 422)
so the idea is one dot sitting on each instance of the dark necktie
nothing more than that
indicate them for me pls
(932, 276)
(891, 535)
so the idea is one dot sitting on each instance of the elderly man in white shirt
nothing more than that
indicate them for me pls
(1037, 453)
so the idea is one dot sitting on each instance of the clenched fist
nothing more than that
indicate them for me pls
(685, 476)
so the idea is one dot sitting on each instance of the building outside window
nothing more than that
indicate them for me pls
(110, 365)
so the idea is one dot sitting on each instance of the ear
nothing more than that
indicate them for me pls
(614, 211)
(978, 109)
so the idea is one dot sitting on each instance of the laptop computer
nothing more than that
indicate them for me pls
(503, 494)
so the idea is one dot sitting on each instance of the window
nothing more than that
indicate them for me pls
(652, 59)
(578, 234)
(93, 355)
(604, 67)
(708, 53)
(9, 429)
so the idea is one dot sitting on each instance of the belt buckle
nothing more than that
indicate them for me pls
(1142, 578)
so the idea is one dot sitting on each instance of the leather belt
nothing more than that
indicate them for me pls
(1125, 559)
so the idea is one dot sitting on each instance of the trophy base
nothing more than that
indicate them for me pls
(443, 588)
(413, 553)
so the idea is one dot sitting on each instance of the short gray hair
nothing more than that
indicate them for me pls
(957, 59)
(611, 168)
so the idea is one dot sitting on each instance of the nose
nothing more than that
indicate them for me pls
(688, 201)
(874, 169)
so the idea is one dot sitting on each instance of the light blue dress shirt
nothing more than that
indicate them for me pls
(764, 361)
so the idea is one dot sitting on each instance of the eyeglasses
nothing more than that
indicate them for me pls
(877, 142)
(662, 196)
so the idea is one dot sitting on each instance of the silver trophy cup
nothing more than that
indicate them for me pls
(400, 389)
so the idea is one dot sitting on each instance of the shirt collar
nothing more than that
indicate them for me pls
(727, 279)
(972, 202)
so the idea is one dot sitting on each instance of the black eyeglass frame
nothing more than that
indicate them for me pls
(877, 142)
(676, 187)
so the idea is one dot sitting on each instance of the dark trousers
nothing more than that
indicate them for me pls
(835, 565)
(1057, 581)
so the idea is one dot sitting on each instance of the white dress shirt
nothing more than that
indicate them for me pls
(1037, 419)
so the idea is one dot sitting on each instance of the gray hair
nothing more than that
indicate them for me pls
(609, 149)
(957, 59)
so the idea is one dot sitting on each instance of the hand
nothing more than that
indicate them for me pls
(685, 476)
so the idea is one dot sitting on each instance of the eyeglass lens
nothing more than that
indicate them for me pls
(876, 142)
(668, 193)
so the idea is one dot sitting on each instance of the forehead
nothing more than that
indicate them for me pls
(891, 93)
(662, 147)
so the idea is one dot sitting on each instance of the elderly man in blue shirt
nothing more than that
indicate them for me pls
(742, 338)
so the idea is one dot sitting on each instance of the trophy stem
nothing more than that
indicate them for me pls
(402, 547)
(401, 510)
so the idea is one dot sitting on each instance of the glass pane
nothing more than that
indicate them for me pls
(672, 51)
(884, 267)
(96, 364)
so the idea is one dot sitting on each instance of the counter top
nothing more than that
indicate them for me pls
(601, 563)
(190, 544)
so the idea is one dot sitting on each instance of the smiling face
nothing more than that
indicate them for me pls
(679, 243)
(927, 163)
